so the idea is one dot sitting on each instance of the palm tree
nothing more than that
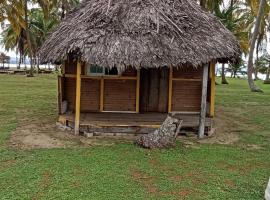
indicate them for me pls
(259, 18)
(234, 23)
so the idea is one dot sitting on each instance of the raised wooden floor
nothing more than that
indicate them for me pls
(130, 123)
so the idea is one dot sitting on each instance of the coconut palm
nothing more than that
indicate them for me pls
(255, 35)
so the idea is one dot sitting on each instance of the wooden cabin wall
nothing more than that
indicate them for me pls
(120, 95)
(71, 67)
(69, 92)
(90, 94)
(154, 90)
(187, 89)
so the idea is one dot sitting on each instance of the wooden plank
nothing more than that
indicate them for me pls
(203, 101)
(186, 79)
(90, 95)
(144, 88)
(101, 98)
(78, 99)
(110, 77)
(63, 67)
(213, 89)
(70, 76)
(103, 77)
(60, 97)
(120, 95)
(170, 90)
(186, 96)
(163, 90)
(138, 91)
(134, 120)
(153, 90)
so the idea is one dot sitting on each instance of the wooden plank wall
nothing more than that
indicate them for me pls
(69, 93)
(186, 89)
(89, 94)
(154, 90)
(120, 95)
(71, 66)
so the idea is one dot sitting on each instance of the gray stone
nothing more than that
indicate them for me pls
(62, 127)
(88, 135)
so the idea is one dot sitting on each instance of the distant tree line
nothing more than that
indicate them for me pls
(249, 21)
(28, 22)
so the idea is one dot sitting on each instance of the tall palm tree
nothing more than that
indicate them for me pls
(259, 18)
(235, 23)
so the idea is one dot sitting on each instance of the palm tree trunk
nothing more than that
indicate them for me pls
(31, 71)
(223, 76)
(251, 83)
(267, 79)
(38, 64)
(20, 61)
(256, 73)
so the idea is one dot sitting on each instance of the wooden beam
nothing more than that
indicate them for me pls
(203, 101)
(138, 91)
(78, 99)
(101, 97)
(186, 79)
(170, 90)
(60, 93)
(213, 89)
(63, 68)
(102, 77)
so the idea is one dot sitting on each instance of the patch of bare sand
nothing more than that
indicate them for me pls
(226, 130)
(37, 135)
(33, 134)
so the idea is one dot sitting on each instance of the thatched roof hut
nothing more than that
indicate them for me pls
(141, 33)
(138, 56)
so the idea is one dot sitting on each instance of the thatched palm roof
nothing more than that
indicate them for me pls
(141, 33)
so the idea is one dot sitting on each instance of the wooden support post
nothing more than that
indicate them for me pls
(63, 71)
(170, 89)
(213, 89)
(203, 101)
(138, 91)
(60, 94)
(101, 97)
(78, 99)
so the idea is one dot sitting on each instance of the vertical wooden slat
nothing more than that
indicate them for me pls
(64, 67)
(203, 101)
(170, 90)
(101, 98)
(78, 99)
(60, 95)
(213, 89)
(163, 90)
(138, 91)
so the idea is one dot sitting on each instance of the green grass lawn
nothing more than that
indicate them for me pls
(124, 171)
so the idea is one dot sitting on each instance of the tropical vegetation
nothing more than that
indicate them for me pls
(28, 22)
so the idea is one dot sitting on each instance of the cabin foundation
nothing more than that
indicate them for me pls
(128, 124)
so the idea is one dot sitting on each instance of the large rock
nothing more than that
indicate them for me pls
(267, 191)
(163, 137)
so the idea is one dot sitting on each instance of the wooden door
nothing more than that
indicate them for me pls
(154, 90)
